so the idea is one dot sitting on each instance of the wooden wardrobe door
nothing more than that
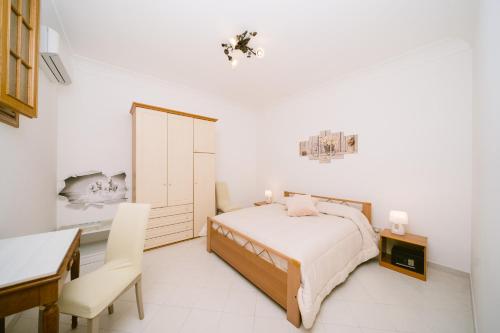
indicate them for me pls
(180, 160)
(204, 189)
(204, 136)
(151, 158)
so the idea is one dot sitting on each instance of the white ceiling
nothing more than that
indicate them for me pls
(306, 42)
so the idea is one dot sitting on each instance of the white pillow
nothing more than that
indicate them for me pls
(301, 205)
(333, 208)
(282, 200)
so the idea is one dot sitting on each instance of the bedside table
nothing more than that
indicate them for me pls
(260, 203)
(388, 240)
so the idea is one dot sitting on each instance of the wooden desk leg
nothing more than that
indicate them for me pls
(48, 319)
(2, 325)
(75, 273)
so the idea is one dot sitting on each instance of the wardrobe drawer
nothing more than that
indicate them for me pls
(172, 210)
(167, 239)
(167, 220)
(169, 229)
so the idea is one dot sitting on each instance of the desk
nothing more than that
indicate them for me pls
(32, 272)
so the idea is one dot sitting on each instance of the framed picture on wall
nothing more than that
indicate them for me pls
(327, 146)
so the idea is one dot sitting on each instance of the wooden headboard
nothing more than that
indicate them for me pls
(365, 207)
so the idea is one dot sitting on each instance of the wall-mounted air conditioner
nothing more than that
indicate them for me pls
(50, 53)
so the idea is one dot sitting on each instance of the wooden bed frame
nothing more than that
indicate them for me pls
(249, 259)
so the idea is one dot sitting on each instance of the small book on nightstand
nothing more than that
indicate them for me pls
(405, 254)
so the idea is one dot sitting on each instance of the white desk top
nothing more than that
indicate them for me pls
(34, 256)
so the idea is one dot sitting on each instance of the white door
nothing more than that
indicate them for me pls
(204, 189)
(151, 157)
(180, 160)
(204, 136)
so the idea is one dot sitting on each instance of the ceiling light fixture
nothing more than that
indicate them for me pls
(240, 42)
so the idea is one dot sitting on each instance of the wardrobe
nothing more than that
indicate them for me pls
(173, 169)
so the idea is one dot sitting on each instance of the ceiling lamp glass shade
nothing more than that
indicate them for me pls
(260, 52)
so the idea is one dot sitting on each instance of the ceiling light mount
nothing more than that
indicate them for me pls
(240, 42)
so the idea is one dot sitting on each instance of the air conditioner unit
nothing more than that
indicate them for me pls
(50, 53)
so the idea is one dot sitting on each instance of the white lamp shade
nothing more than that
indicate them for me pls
(398, 217)
(269, 196)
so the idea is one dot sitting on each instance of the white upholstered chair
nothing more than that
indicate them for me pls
(89, 295)
(223, 199)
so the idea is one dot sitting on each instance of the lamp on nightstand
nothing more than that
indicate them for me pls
(398, 219)
(269, 196)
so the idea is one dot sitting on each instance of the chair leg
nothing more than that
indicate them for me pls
(93, 325)
(111, 309)
(138, 296)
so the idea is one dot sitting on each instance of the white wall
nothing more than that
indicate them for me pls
(485, 222)
(28, 167)
(413, 117)
(94, 130)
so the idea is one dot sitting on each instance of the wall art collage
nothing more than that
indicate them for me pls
(327, 146)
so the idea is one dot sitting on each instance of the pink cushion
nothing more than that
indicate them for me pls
(301, 205)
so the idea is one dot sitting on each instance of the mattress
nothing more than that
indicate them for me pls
(328, 246)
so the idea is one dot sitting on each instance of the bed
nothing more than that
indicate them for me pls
(296, 261)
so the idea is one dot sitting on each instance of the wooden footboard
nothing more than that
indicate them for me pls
(282, 286)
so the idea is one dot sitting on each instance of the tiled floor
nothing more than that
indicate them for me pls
(187, 289)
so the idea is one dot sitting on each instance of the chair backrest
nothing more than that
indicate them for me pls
(126, 239)
(222, 195)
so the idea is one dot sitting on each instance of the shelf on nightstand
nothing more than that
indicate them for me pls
(410, 240)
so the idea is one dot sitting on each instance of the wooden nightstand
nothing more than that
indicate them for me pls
(260, 203)
(388, 240)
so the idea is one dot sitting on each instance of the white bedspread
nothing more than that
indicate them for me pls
(328, 247)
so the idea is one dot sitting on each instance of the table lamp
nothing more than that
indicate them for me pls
(269, 196)
(398, 219)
